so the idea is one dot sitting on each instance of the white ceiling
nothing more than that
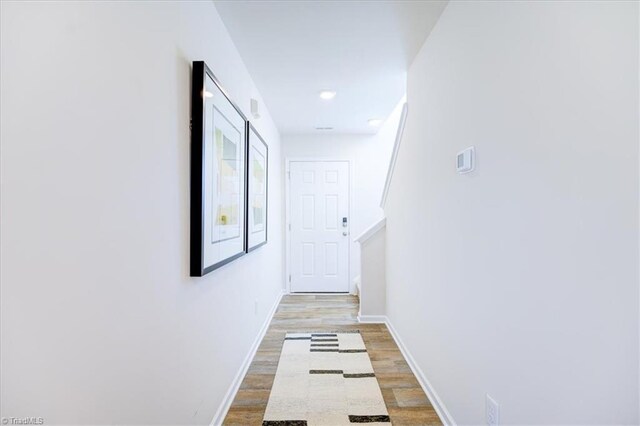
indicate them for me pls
(360, 49)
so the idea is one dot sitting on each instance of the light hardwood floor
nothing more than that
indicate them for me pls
(406, 402)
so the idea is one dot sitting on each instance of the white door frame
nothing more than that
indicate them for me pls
(287, 213)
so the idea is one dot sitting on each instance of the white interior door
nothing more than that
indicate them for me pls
(319, 226)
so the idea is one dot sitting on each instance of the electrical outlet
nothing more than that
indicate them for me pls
(492, 412)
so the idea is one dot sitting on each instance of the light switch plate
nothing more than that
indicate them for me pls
(465, 160)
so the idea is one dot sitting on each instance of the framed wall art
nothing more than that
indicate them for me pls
(257, 189)
(218, 175)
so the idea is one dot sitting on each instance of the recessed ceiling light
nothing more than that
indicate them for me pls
(375, 122)
(327, 94)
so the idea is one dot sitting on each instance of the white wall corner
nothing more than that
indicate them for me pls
(436, 402)
(223, 409)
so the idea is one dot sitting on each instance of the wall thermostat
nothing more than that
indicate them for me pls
(465, 160)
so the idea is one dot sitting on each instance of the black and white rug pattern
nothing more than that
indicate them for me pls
(325, 379)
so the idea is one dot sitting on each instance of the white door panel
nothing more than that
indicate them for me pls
(319, 241)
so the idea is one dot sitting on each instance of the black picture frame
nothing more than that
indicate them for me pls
(199, 265)
(250, 245)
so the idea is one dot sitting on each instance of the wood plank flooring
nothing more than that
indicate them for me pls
(406, 402)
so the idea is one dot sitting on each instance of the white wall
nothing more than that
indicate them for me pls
(373, 288)
(521, 279)
(369, 157)
(100, 321)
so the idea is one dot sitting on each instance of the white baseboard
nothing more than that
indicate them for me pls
(437, 403)
(372, 319)
(235, 385)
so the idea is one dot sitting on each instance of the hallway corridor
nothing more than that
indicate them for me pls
(192, 192)
(403, 396)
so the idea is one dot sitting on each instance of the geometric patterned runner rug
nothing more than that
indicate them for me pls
(325, 379)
